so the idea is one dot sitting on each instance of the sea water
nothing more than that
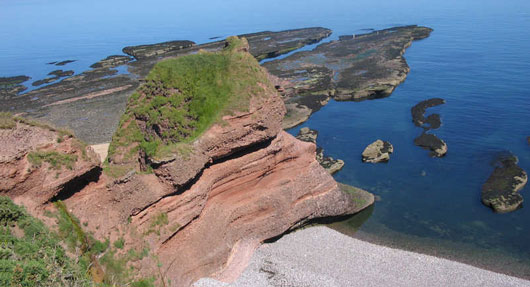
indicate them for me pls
(477, 59)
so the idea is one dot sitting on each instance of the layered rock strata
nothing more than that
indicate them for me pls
(39, 163)
(203, 212)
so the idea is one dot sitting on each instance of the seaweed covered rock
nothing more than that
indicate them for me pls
(501, 190)
(427, 141)
(366, 66)
(378, 151)
(330, 164)
(431, 142)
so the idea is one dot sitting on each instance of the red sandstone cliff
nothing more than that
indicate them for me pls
(244, 182)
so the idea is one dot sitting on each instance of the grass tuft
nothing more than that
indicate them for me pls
(56, 159)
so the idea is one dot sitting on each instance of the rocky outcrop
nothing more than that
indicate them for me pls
(39, 163)
(356, 67)
(431, 142)
(111, 62)
(418, 113)
(426, 140)
(501, 190)
(154, 50)
(330, 164)
(378, 151)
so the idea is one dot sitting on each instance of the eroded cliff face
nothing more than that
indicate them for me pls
(200, 213)
(39, 163)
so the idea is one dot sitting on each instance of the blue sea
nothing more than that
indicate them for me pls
(477, 59)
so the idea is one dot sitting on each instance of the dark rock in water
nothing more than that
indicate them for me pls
(346, 37)
(61, 73)
(330, 164)
(378, 151)
(112, 62)
(501, 190)
(64, 62)
(269, 44)
(433, 121)
(154, 50)
(44, 81)
(418, 112)
(356, 68)
(213, 38)
(7, 82)
(431, 142)
(528, 140)
(12, 86)
(52, 63)
(307, 135)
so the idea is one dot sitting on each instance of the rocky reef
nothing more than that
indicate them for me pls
(330, 164)
(354, 68)
(199, 171)
(90, 103)
(501, 190)
(426, 140)
(378, 151)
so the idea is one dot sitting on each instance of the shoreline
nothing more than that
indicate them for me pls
(321, 256)
(493, 260)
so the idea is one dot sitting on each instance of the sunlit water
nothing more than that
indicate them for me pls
(477, 59)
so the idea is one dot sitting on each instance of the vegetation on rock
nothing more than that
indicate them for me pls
(31, 255)
(182, 97)
(57, 160)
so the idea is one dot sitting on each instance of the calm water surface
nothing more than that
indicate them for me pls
(477, 59)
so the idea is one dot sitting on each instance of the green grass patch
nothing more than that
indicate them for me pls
(159, 221)
(119, 243)
(7, 121)
(57, 160)
(182, 97)
(31, 254)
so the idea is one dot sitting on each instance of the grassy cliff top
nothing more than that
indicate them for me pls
(182, 97)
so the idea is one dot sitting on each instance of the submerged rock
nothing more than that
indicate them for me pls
(501, 190)
(359, 67)
(427, 141)
(528, 140)
(330, 164)
(61, 73)
(62, 63)
(418, 113)
(431, 142)
(378, 151)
